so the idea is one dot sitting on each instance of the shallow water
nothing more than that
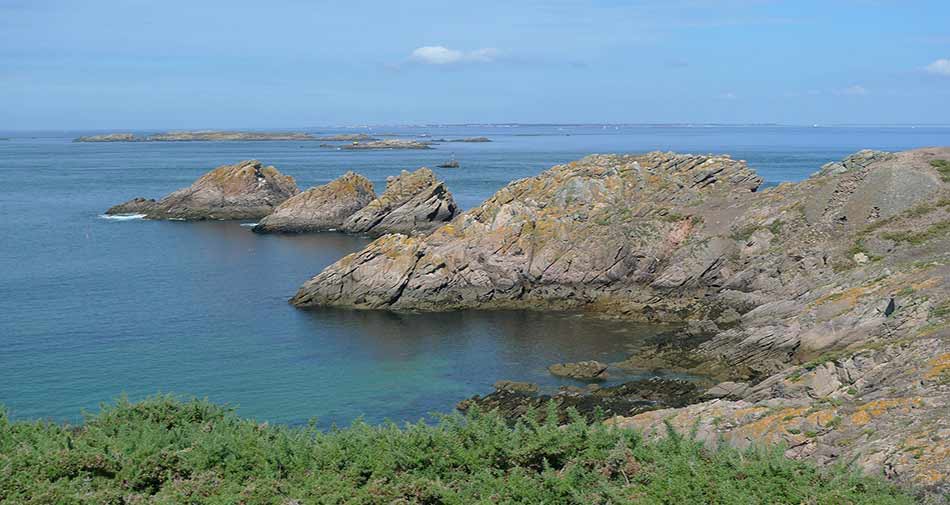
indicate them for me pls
(92, 308)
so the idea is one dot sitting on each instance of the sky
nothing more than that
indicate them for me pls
(136, 64)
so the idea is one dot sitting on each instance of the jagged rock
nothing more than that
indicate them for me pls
(515, 386)
(582, 370)
(412, 203)
(320, 208)
(245, 190)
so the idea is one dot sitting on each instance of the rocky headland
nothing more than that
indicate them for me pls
(827, 302)
(320, 208)
(413, 203)
(245, 190)
(190, 136)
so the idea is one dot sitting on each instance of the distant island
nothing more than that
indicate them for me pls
(383, 144)
(192, 136)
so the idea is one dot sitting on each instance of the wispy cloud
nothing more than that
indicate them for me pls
(441, 55)
(855, 90)
(939, 67)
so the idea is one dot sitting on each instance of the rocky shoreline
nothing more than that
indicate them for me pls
(827, 301)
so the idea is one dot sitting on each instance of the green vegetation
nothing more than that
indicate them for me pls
(165, 451)
(943, 168)
(918, 237)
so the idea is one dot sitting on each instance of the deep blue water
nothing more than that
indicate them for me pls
(93, 308)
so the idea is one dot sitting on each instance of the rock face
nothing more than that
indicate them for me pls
(320, 208)
(414, 202)
(830, 296)
(246, 190)
(583, 370)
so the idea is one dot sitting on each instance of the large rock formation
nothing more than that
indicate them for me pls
(830, 296)
(245, 190)
(320, 208)
(414, 202)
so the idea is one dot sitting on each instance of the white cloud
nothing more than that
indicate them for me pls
(939, 67)
(728, 96)
(440, 55)
(856, 90)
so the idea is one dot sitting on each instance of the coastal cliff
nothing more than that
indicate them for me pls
(320, 208)
(245, 190)
(826, 299)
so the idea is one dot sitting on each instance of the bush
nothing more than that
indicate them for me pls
(166, 451)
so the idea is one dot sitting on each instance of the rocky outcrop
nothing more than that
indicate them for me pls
(582, 370)
(885, 409)
(246, 190)
(192, 136)
(320, 208)
(853, 260)
(413, 203)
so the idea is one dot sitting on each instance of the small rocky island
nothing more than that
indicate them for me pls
(194, 136)
(320, 208)
(825, 304)
(413, 203)
(348, 137)
(245, 190)
(386, 144)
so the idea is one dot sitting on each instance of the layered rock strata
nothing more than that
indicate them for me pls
(320, 208)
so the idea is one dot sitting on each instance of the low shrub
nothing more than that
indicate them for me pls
(166, 451)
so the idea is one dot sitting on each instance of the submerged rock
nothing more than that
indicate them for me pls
(626, 399)
(449, 164)
(246, 190)
(320, 208)
(413, 202)
(582, 370)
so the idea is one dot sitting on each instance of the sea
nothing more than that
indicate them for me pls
(93, 309)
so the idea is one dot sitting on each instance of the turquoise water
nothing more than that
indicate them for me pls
(92, 308)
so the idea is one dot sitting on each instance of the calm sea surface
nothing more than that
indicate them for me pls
(92, 308)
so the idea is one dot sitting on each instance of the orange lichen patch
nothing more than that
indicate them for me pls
(772, 423)
(929, 283)
(870, 410)
(933, 457)
(938, 366)
(822, 417)
(848, 296)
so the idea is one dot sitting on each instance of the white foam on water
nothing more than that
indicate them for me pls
(122, 217)
(249, 225)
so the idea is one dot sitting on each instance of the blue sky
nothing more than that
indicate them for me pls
(138, 64)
